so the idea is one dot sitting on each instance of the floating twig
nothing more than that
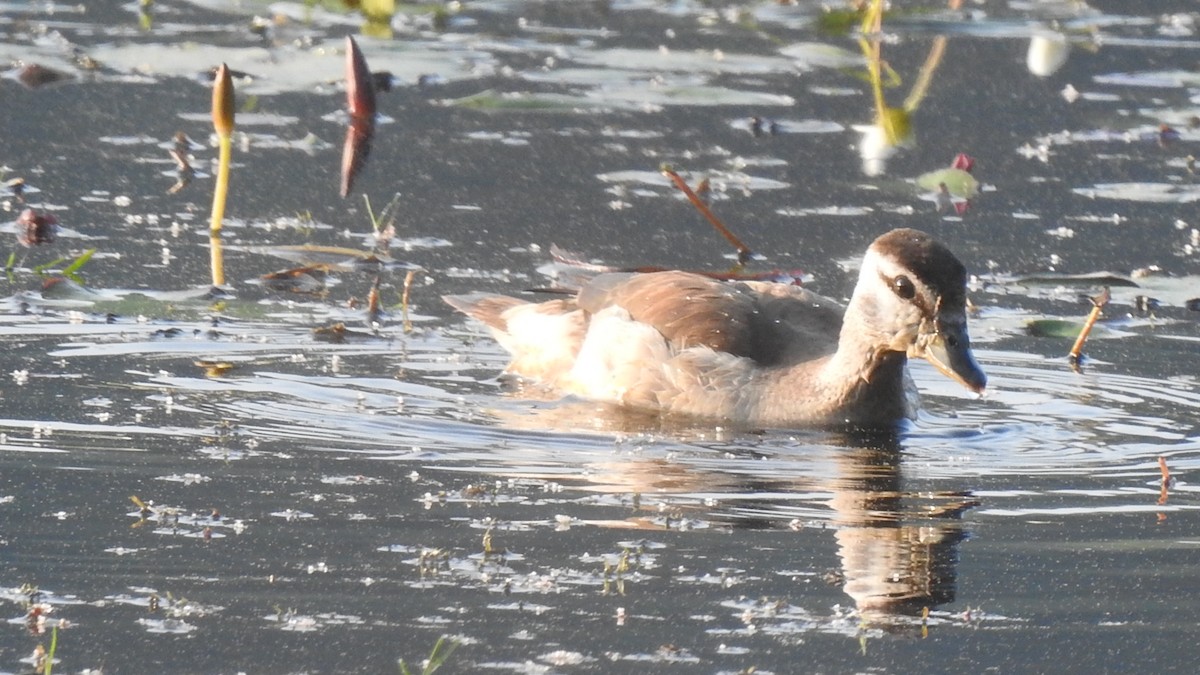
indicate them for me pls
(743, 251)
(1166, 481)
(1098, 303)
(1162, 489)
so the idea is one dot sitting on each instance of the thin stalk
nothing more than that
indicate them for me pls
(50, 654)
(408, 282)
(743, 250)
(1098, 304)
(223, 122)
(1166, 483)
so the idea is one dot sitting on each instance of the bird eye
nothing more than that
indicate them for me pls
(903, 286)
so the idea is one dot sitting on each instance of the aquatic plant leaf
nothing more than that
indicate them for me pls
(958, 182)
(361, 104)
(79, 262)
(355, 149)
(360, 86)
(1066, 329)
(1090, 280)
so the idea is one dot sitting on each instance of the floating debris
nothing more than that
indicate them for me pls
(1145, 305)
(309, 280)
(762, 126)
(33, 76)
(214, 368)
(16, 187)
(181, 153)
(36, 228)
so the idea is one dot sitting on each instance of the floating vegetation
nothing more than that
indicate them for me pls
(441, 652)
(956, 179)
(36, 229)
(34, 76)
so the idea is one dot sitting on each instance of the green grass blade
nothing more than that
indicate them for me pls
(53, 648)
(72, 271)
(41, 269)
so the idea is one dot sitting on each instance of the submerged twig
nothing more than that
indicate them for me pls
(1098, 303)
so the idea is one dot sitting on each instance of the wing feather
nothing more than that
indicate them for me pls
(773, 324)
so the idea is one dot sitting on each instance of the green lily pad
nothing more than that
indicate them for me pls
(958, 182)
(1065, 329)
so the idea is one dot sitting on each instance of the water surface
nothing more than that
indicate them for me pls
(332, 500)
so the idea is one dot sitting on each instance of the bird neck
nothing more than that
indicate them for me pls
(865, 376)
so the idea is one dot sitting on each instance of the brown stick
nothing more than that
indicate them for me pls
(373, 309)
(1098, 304)
(743, 251)
(1166, 483)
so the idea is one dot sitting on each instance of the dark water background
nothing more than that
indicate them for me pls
(328, 503)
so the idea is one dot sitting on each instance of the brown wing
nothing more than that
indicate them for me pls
(793, 325)
(770, 323)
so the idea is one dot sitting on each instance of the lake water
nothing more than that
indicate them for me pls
(273, 481)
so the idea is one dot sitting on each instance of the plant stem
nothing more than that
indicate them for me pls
(1098, 304)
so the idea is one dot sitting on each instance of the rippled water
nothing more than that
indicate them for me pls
(317, 499)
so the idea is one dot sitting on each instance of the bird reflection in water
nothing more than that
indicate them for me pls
(897, 548)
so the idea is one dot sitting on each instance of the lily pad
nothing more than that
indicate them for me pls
(1066, 329)
(958, 182)
(1090, 280)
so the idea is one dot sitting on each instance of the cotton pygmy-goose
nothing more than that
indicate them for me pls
(749, 352)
